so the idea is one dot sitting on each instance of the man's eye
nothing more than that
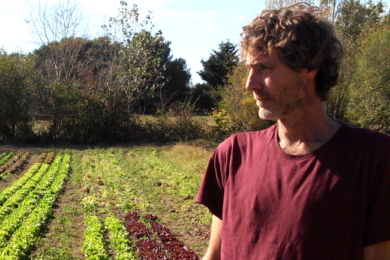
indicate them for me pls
(262, 67)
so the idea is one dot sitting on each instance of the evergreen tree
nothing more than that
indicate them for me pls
(219, 65)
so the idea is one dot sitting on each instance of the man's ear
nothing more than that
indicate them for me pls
(311, 74)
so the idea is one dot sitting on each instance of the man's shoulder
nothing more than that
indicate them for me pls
(248, 140)
(253, 136)
(364, 136)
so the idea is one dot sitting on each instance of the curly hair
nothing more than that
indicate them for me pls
(304, 38)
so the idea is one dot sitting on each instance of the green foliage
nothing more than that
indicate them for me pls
(177, 124)
(15, 89)
(89, 91)
(175, 86)
(237, 111)
(6, 157)
(219, 65)
(23, 224)
(215, 72)
(353, 20)
(370, 89)
(92, 91)
(223, 127)
(354, 16)
(141, 57)
(94, 247)
(119, 239)
(204, 96)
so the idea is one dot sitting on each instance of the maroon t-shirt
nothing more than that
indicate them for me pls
(328, 204)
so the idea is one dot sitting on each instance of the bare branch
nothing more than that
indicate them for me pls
(56, 21)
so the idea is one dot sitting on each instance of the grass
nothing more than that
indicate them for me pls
(158, 180)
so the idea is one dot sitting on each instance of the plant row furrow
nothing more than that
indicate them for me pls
(119, 239)
(6, 157)
(2, 155)
(14, 165)
(19, 195)
(24, 238)
(94, 246)
(175, 248)
(46, 158)
(149, 248)
(7, 192)
(17, 159)
(16, 217)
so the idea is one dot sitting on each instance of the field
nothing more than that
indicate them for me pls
(103, 203)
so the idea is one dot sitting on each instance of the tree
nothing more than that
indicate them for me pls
(175, 86)
(332, 7)
(60, 60)
(370, 89)
(141, 58)
(15, 84)
(214, 73)
(57, 27)
(352, 18)
(203, 96)
(219, 65)
(50, 23)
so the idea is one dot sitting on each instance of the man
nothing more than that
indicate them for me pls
(307, 187)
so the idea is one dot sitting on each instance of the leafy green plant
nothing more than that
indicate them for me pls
(119, 239)
(7, 192)
(6, 157)
(94, 247)
(23, 239)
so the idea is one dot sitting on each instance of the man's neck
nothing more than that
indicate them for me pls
(304, 133)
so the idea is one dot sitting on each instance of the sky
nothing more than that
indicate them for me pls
(194, 27)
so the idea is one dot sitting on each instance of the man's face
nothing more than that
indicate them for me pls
(279, 91)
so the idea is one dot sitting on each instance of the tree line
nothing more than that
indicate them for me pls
(81, 90)
(89, 90)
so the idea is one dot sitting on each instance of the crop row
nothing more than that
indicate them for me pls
(14, 163)
(18, 184)
(29, 206)
(168, 246)
(28, 181)
(46, 158)
(94, 246)
(18, 196)
(19, 205)
(2, 155)
(121, 237)
(5, 157)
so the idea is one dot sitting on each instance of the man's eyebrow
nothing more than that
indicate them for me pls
(259, 63)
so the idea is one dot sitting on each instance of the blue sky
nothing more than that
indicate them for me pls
(194, 27)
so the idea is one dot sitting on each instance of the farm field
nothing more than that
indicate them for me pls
(103, 203)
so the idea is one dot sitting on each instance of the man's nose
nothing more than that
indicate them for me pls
(252, 82)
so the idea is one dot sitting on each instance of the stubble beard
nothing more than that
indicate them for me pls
(295, 99)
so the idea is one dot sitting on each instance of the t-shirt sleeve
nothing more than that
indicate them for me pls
(211, 191)
(378, 205)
